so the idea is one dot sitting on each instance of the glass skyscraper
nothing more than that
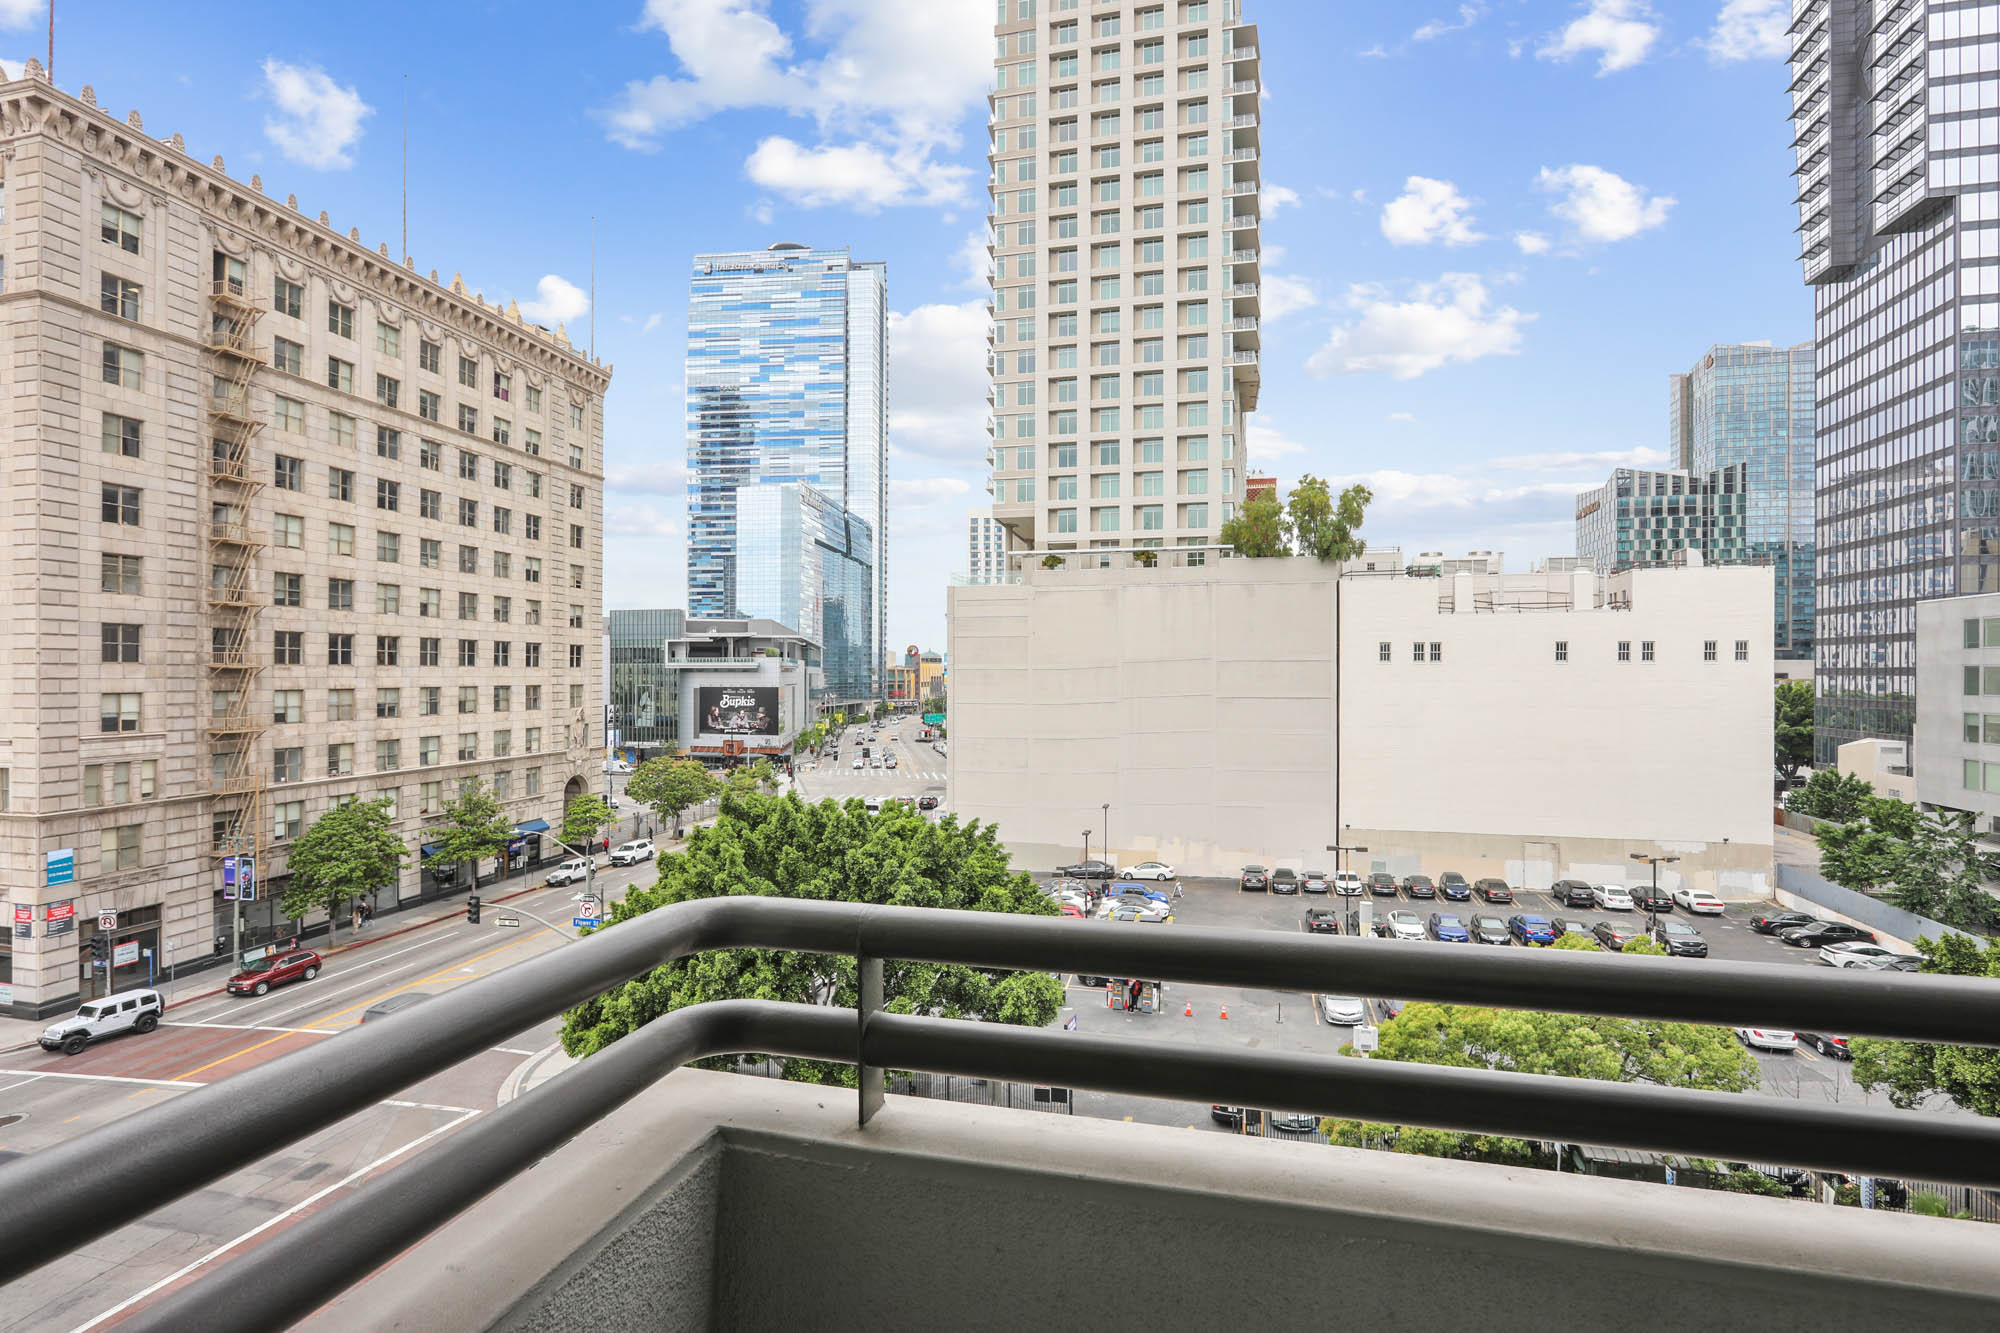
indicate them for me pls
(645, 695)
(809, 567)
(787, 384)
(1752, 404)
(1895, 127)
(1641, 518)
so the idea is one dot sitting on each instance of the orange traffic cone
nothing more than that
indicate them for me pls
(1225, 1011)
(1189, 1013)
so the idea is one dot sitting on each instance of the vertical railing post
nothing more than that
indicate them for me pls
(868, 1004)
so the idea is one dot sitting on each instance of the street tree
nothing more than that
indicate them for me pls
(1915, 1073)
(349, 851)
(670, 786)
(585, 818)
(1830, 794)
(752, 777)
(1258, 528)
(778, 846)
(1857, 856)
(1323, 528)
(1942, 871)
(472, 827)
(1793, 726)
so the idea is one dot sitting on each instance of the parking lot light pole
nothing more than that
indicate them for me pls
(1107, 830)
(1340, 851)
(1652, 913)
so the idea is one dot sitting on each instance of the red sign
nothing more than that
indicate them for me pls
(22, 914)
(62, 911)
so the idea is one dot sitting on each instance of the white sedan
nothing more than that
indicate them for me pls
(1611, 897)
(1855, 953)
(1768, 1039)
(1699, 901)
(1147, 870)
(1401, 926)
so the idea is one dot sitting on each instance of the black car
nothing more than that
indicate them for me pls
(1454, 887)
(1382, 884)
(1418, 886)
(1680, 939)
(1231, 1116)
(1771, 921)
(927, 803)
(1614, 935)
(1493, 890)
(1572, 893)
(1088, 870)
(1294, 1124)
(1824, 932)
(1284, 880)
(1254, 877)
(1487, 930)
(1826, 1044)
(1323, 920)
(1315, 881)
(1648, 899)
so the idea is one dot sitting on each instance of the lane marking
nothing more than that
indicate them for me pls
(449, 970)
(505, 1050)
(236, 1055)
(106, 1078)
(249, 1027)
(273, 1221)
(236, 1003)
(29, 1079)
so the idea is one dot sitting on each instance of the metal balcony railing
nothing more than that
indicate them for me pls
(62, 1198)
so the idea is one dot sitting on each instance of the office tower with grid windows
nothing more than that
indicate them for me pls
(1895, 122)
(1751, 404)
(308, 526)
(787, 384)
(1124, 237)
(1644, 518)
(985, 548)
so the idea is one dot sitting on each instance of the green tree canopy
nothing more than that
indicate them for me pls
(1793, 725)
(1644, 944)
(669, 786)
(1569, 939)
(1258, 527)
(472, 826)
(584, 818)
(1856, 856)
(1320, 527)
(779, 846)
(1941, 872)
(350, 850)
(1916, 1072)
(1830, 794)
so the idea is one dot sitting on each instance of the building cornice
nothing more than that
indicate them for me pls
(31, 105)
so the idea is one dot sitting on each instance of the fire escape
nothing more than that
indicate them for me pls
(236, 723)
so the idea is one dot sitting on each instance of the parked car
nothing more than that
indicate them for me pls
(1144, 870)
(617, 767)
(1126, 888)
(1314, 881)
(927, 803)
(889, 762)
(1254, 877)
(1446, 928)
(1611, 897)
(859, 762)
(631, 853)
(94, 1020)
(1323, 920)
(1902, 962)
(1088, 870)
(1348, 884)
(1342, 1010)
(1826, 1044)
(1488, 929)
(1572, 926)
(1648, 899)
(1768, 1039)
(1774, 919)
(1699, 901)
(1135, 907)
(1572, 893)
(1284, 880)
(1454, 887)
(1680, 939)
(1231, 1116)
(280, 969)
(1400, 926)
(573, 871)
(1072, 911)
(1615, 935)
(1382, 884)
(1854, 953)
(1821, 933)
(1293, 1122)
(1418, 886)
(1493, 890)
(1530, 929)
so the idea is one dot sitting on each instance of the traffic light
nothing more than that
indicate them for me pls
(472, 910)
(100, 951)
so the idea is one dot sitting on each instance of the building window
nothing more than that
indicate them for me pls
(430, 355)
(1382, 651)
(1562, 650)
(117, 784)
(388, 339)
(1437, 652)
(388, 755)
(120, 228)
(388, 392)
(468, 372)
(340, 594)
(468, 606)
(1971, 774)
(340, 705)
(340, 374)
(119, 643)
(531, 656)
(1645, 650)
(576, 532)
(429, 406)
(1624, 650)
(1708, 650)
(468, 419)
(575, 655)
(123, 366)
(118, 848)
(430, 553)
(118, 296)
(468, 699)
(120, 504)
(121, 435)
(286, 297)
(340, 319)
(290, 414)
(428, 651)
(468, 652)
(118, 573)
(288, 356)
(388, 650)
(430, 698)
(468, 746)
(1743, 650)
(531, 784)
(339, 759)
(117, 712)
(468, 513)
(287, 647)
(288, 820)
(429, 749)
(340, 538)
(288, 764)
(1416, 652)
(288, 474)
(340, 650)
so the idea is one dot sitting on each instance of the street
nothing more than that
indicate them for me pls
(919, 771)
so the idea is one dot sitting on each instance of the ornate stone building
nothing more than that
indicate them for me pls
(308, 526)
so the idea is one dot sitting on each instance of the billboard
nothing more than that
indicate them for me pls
(737, 710)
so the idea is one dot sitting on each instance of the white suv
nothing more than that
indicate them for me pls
(630, 853)
(127, 1011)
(570, 871)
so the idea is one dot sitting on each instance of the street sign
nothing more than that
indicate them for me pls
(107, 920)
(586, 906)
(124, 953)
(61, 866)
(508, 921)
(24, 920)
(1366, 1038)
(584, 922)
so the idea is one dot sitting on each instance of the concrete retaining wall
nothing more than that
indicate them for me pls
(1803, 891)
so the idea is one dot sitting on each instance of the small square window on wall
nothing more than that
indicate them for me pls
(1562, 650)
(1971, 640)
(1743, 650)
(1416, 652)
(1708, 653)
(1624, 650)
(1437, 652)
(1645, 650)
(1382, 653)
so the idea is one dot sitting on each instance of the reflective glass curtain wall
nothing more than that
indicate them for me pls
(808, 566)
(645, 695)
(1896, 118)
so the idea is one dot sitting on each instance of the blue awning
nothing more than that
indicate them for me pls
(431, 848)
(532, 826)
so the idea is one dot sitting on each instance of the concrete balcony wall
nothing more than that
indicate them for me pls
(719, 1201)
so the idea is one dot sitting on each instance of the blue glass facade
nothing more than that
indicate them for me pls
(1753, 405)
(804, 561)
(645, 694)
(787, 385)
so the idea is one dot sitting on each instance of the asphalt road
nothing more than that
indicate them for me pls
(919, 769)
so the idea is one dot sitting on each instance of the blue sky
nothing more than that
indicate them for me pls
(1493, 229)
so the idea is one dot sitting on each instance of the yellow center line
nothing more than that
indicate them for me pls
(422, 981)
(227, 1058)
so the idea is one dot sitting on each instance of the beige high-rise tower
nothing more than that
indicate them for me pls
(287, 525)
(1124, 218)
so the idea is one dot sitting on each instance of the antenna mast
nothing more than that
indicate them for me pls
(593, 286)
(406, 167)
(52, 43)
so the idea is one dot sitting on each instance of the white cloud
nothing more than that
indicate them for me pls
(639, 520)
(652, 322)
(1751, 30)
(1275, 197)
(1429, 210)
(973, 260)
(12, 69)
(1467, 16)
(1283, 294)
(666, 478)
(557, 300)
(1531, 242)
(1403, 418)
(1375, 52)
(1619, 32)
(1563, 460)
(937, 384)
(318, 121)
(1602, 205)
(1444, 321)
(858, 174)
(1267, 440)
(21, 14)
(924, 491)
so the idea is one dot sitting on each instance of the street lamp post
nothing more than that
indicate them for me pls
(1341, 850)
(1107, 831)
(1652, 913)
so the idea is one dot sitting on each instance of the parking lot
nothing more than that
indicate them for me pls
(1290, 1021)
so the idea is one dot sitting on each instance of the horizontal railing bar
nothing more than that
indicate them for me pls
(212, 1131)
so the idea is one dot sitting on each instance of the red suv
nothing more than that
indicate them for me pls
(278, 970)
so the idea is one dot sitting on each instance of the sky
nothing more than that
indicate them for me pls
(1492, 230)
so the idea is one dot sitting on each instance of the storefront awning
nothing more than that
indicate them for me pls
(532, 826)
(431, 848)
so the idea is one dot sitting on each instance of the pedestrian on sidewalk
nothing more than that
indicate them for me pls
(357, 916)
